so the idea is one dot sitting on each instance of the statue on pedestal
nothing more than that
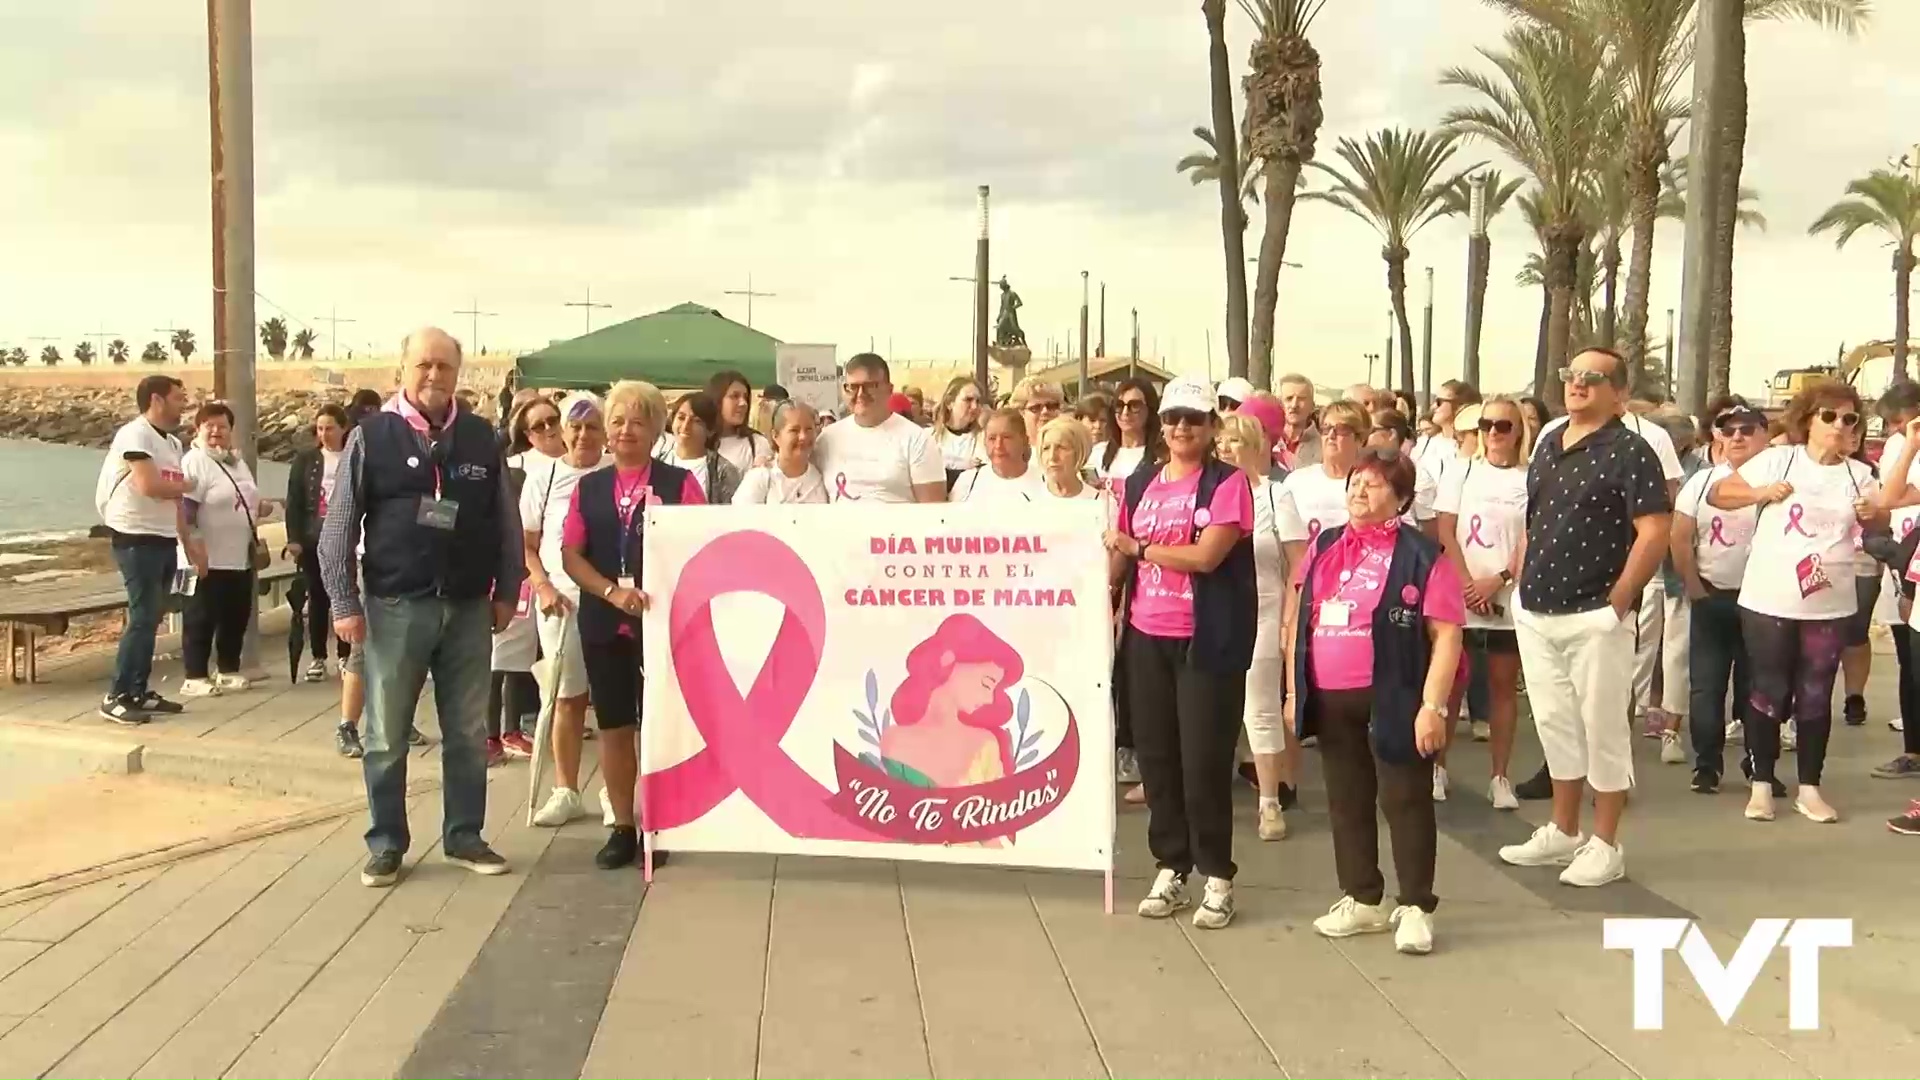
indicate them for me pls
(1006, 328)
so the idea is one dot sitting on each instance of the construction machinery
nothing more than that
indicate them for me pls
(1845, 367)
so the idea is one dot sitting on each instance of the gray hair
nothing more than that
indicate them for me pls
(781, 409)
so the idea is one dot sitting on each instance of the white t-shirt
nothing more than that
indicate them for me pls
(329, 465)
(220, 521)
(1125, 460)
(1722, 539)
(1426, 491)
(1310, 500)
(983, 485)
(767, 484)
(741, 450)
(1905, 518)
(1269, 567)
(544, 501)
(1803, 559)
(958, 449)
(881, 463)
(695, 465)
(1433, 451)
(1087, 491)
(1656, 438)
(123, 509)
(1489, 505)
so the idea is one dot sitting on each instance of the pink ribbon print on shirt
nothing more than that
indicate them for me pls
(1796, 513)
(1474, 539)
(947, 722)
(840, 488)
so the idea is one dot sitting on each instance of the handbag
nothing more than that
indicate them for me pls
(258, 556)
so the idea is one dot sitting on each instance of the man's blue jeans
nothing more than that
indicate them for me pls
(147, 572)
(407, 639)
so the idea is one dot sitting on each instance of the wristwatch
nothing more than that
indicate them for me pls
(1441, 709)
(607, 592)
(1506, 576)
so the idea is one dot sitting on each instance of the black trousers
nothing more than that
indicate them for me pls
(1357, 780)
(319, 608)
(215, 621)
(512, 697)
(1185, 724)
(1906, 649)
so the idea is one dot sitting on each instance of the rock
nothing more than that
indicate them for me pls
(77, 416)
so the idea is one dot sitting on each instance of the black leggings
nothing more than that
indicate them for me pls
(319, 609)
(1905, 643)
(512, 697)
(216, 621)
(1793, 664)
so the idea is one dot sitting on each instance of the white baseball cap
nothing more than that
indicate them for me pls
(1236, 389)
(1185, 393)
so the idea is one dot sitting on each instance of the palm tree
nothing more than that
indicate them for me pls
(1232, 216)
(1479, 199)
(1284, 115)
(183, 344)
(17, 357)
(1203, 167)
(83, 352)
(117, 350)
(303, 344)
(273, 335)
(154, 353)
(1889, 201)
(50, 355)
(1673, 197)
(1544, 109)
(1394, 184)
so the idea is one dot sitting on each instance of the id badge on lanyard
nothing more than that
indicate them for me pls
(633, 508)
(437, 512)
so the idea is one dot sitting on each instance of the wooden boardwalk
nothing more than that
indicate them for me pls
(268, 958)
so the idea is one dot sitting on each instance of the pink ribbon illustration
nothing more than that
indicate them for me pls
(1795, 513)
(1313, 529)
(1906, 527)
(1473, 533)
(743, 734)
(840, 488)
(1717, 536)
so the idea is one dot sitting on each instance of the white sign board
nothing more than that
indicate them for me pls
(810, 373)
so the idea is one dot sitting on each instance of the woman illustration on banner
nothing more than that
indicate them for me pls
(950, 714)
(1798, 589)
(1315, 496)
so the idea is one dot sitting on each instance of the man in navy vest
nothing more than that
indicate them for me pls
(443, 569)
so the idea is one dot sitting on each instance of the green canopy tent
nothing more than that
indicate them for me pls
(680, 347)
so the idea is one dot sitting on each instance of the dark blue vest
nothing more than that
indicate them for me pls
(405, 558)
(1401, 647)
(600, 621)
(1226, 604)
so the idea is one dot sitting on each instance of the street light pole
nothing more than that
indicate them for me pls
(980, 270)
(1083, 335)
(1426, 348)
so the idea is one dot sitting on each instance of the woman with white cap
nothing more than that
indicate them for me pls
(1182, 543)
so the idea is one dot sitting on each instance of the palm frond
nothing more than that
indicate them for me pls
(1883, 199)
(1848, 17)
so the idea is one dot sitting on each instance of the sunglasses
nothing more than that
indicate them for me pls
(1130, 405)
(1038, 407)
(1730, 424)
(1228, 404)
(1579, 377)
(1834, 416)
(1503, 427)
(544, 424)
(1185, 418)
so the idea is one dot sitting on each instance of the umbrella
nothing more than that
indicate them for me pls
(546, 671)
(296, 634)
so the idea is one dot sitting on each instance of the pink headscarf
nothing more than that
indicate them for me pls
(1272, 421)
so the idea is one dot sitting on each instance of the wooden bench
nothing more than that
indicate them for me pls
(47, 607)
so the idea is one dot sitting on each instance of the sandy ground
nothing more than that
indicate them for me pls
(84, 822)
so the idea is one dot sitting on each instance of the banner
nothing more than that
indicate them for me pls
(810, 373)
(926, 683)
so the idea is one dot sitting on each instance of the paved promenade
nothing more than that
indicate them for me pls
(266, 957)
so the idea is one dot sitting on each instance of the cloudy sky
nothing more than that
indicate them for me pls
(414, 157)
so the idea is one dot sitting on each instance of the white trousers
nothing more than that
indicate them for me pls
(1581, 705)
(1266, 686)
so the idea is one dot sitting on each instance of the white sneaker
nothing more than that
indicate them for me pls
(1482, 731)
(1670, 750)
(1896, 724)
(317, 671)
(1736, 731)
(1168, 895)
(1790, 737)
(1348, 917)
(1273, 823)
(1126, 766)
(1439, 783)
(606, 808)
(1216, 905)
(1813, 806)
(231, 681)
(562, 806)
(1413, 930)
(199, 688)
(1760, 802)
(1548, 846)
(1597, 863)
(1500, 794)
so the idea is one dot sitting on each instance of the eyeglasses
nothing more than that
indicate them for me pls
(1341, 430)
(860, 389)
(1038, 407)
(1582, 377)
(1834, 416)
(1184, 418)
(1130, 405)
(1439, 401)
(544, 425)
(1503, 427)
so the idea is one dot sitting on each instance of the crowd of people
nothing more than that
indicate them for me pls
(1364, 577)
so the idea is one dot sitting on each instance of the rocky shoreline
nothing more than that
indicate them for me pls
(89, 416)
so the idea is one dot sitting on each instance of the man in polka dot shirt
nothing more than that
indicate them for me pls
(1598, 514)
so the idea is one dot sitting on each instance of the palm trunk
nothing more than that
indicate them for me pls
(1232, 217)
(1563, 263)
(1643, 203)
(1585, 273)
(1479, 258)
(1397, 288)
(1542, 368)
(1610, 267)
(1731, 88)
(1279, 179)
(1903, 265)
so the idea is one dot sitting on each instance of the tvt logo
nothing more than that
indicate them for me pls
(1726, 985)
